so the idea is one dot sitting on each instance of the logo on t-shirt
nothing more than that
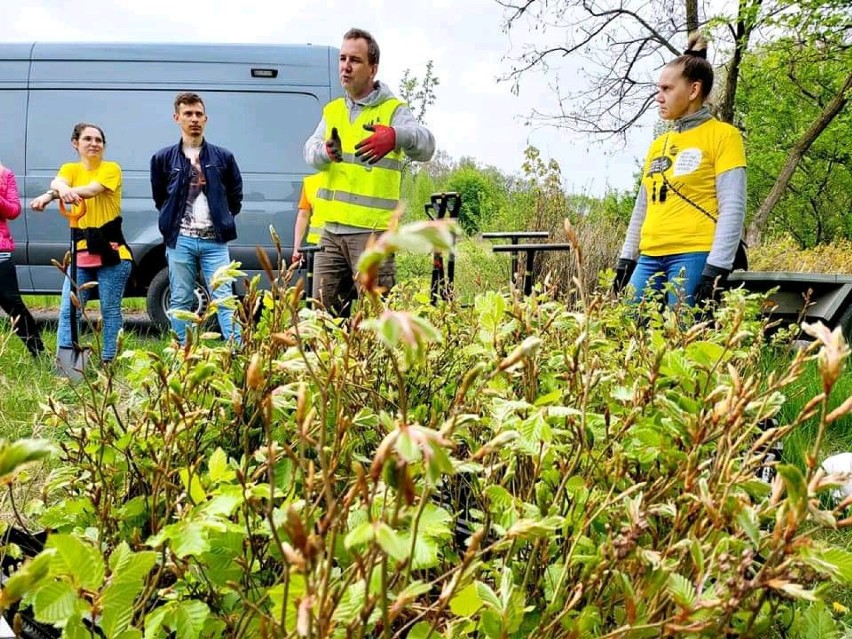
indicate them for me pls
(659, 164)
(687, 161)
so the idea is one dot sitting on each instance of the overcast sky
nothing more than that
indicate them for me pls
(474, 114)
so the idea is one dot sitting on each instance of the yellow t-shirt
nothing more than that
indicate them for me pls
(304, 202)
(104, 207)
(690, 161)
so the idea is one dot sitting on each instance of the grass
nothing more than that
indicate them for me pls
(26, 383)
(51, 302)
(838, 436)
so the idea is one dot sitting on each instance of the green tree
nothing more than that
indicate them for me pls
(620, 49)
(786, 87)
(482, 193)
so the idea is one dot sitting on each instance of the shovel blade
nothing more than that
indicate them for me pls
(72, 363)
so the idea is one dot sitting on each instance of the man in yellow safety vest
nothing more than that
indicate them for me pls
(305, 220)
(358, 147)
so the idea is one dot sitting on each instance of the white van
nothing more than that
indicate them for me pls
(263, 102)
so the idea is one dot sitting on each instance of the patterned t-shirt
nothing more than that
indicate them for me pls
(196, 221)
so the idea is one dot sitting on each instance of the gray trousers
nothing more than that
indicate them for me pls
(335, 271)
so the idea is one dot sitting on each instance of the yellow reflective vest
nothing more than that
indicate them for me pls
(357, 193)
(311, 184)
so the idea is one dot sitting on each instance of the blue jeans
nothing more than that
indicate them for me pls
(185, 258)
(653, 272)
(111, 281)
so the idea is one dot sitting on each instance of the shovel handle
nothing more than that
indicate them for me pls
(72, 216)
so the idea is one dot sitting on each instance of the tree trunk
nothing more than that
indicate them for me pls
(745, 25)
(795, 156)
(691, 16)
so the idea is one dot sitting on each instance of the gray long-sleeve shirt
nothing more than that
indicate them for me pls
(731, 198)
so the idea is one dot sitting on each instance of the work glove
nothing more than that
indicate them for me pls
(378, 145)
(334, 147)
(713, 282)
(623, 270)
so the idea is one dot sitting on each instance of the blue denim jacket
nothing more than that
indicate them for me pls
(170, 175)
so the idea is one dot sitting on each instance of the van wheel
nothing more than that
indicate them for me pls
(159, 293)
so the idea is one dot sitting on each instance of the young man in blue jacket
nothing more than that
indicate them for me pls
(198, 190)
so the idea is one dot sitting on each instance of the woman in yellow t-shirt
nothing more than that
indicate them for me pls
(688, 217)
(104, 256)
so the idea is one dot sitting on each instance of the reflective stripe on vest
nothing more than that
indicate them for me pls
(356, 193)
(312, 183)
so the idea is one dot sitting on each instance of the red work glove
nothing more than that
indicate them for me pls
(334, 147)
(378, 145)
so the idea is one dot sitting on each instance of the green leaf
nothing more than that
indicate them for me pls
(835, 562)
(76, 629)
(187, 538)
(361, 535)
(490, 307)
(421, 631)
(351, 604)
(55, 602)
(466, 602)
(126, 583)
(14, 456)
(222, 504)
(488, 597)
(189, 619)
(157, 618)
(532, 528)
(682, 590)
(817, 623)
(117, 603)
(435, 522)
(81, 561)
(425, 551)
(295, 590)
(707, 354)
(797, 488)
(406, 448)
(218, 468)
(747, 519)
(27, 578)
(391, 542)
(697, 555)
(492, 624)
(841, 560)
(127, 565)
(193, 486)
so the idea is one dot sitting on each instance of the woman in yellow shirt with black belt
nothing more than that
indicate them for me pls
(103, 253)
(688, 217)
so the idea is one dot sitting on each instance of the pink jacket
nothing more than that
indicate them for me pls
(10, 207)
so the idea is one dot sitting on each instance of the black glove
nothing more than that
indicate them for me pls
(334, 147)
(713, 282)
(623, 270)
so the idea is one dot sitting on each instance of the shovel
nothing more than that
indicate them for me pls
(72, 362)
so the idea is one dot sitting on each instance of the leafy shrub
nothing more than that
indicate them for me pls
(514, 468)
(481, 195)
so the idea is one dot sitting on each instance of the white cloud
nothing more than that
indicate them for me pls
(474, 115)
